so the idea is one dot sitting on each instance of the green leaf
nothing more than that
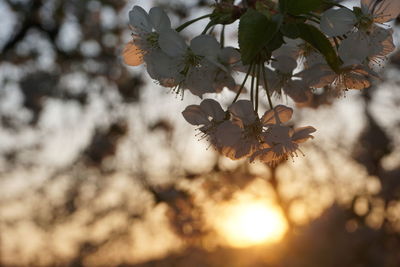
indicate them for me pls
(255, 31)
(276, 42)
(297, 7)
(290, 30)
(317, 39)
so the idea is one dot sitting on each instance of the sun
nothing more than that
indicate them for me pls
(252, 223)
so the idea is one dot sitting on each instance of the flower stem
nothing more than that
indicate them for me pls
(257, 84)
(266, 86)
(253, 74)
(184, 25)
(222, 39)
(243, 83)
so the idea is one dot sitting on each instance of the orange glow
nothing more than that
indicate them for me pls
(252, 223)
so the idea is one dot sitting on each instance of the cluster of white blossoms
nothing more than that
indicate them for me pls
(201, 66)
(285, 48)
(239, 132)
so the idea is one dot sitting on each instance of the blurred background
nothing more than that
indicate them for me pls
(99, 168)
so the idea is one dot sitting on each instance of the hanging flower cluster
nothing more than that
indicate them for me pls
(295, 48)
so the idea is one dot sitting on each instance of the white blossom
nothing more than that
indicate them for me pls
(200, 64)
(247, 140)
(282, 74)
(209, 115)
(243, 136)
(353, 76)
(204, 66)
(279, 141)
(145, 33)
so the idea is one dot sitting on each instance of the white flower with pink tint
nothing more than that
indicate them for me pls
(279, 141)
(145, 33)
(243, 130)
(209, 115)
(380, 11)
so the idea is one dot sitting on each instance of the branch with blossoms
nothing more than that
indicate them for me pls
(292, 48)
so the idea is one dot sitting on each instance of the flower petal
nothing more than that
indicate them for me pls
(383, 10)
(163, 68)
(194, 115)
(297, 90)
(284, 64)
(229, 55)
(354, 47)
(132, 54)
(318, 75)
(199, 80)
(213, 109)
(223, 80)
(205, 45)
(159, 19)
(335, 22)
(139, 19)
(227, 134)
(172, 43)
(243, 109)
(303, 134)
(264, 155)
(291, 48)
(282, 112)
(380, 42)
(278, 134)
